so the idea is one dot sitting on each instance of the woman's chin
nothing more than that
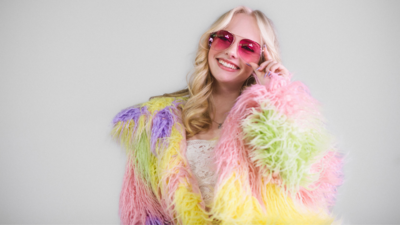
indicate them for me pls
(229, 82)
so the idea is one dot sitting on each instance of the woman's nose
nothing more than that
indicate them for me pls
(231, 51)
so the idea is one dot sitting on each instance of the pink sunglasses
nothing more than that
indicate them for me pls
(248, 50)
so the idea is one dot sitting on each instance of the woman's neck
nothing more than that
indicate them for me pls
(223, 99)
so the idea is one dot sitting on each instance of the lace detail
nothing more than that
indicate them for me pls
(200, 154)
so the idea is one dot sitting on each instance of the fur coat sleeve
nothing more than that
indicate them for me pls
(277, 163)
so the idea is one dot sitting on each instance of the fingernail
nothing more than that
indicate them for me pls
(258, 68)
(248, 64)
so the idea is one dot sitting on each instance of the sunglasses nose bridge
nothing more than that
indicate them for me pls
(233, 49)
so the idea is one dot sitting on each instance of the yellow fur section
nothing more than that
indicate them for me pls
(233, 206)
(169, 158)
(116, 131)
(124, 132)
(154, 177)
(281, 209)
(160, 103)
(185, 202)
(141, 127)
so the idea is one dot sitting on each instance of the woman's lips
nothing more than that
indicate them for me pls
(225, 68)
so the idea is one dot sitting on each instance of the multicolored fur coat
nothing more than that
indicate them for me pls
(276, 163)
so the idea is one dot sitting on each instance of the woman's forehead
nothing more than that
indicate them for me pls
(245, 26)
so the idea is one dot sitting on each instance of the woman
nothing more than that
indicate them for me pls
(241, 145)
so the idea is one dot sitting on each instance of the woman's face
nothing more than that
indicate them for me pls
(245, 26)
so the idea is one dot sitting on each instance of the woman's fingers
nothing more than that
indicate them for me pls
(260, 79)
(267, 56)
(254, 67)
(270, 66)
(276, 67)
(279, 69)
(265, 64)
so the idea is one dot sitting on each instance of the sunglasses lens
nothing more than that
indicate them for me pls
(222, 40)
(249, 50)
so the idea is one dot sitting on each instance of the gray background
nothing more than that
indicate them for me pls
(67, 67)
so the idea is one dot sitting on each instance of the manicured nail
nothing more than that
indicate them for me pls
(258, 68)
(248, 64)
(267, 74)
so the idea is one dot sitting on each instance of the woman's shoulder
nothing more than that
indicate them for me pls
(161, 102)
(150, 107)
(150, 118)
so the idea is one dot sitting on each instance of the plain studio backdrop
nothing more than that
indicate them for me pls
(67, 67)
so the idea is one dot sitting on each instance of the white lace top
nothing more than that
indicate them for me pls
(201, 160)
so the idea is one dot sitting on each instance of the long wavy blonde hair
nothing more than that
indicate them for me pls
(196, 112)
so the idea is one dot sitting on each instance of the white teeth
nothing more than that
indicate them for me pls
(227, 64)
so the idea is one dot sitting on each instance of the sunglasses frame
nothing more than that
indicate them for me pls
(211, 39)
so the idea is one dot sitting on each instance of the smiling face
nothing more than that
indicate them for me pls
(235, 74)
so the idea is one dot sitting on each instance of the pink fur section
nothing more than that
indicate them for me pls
(137, 200)
(231, 154)
(323, 191)
(292, 98)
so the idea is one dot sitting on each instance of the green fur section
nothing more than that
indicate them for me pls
(142, 156)
(279, 146)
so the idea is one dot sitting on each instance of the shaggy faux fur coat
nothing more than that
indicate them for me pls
(276, 162)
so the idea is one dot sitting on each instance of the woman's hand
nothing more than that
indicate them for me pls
(264, 70)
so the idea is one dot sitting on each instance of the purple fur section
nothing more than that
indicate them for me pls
(162, 125)
(129, 114)
(132, 113)
(153, 221)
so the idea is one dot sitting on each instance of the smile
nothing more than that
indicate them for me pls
(227, 65)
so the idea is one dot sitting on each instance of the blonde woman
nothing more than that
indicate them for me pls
(243, 144)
